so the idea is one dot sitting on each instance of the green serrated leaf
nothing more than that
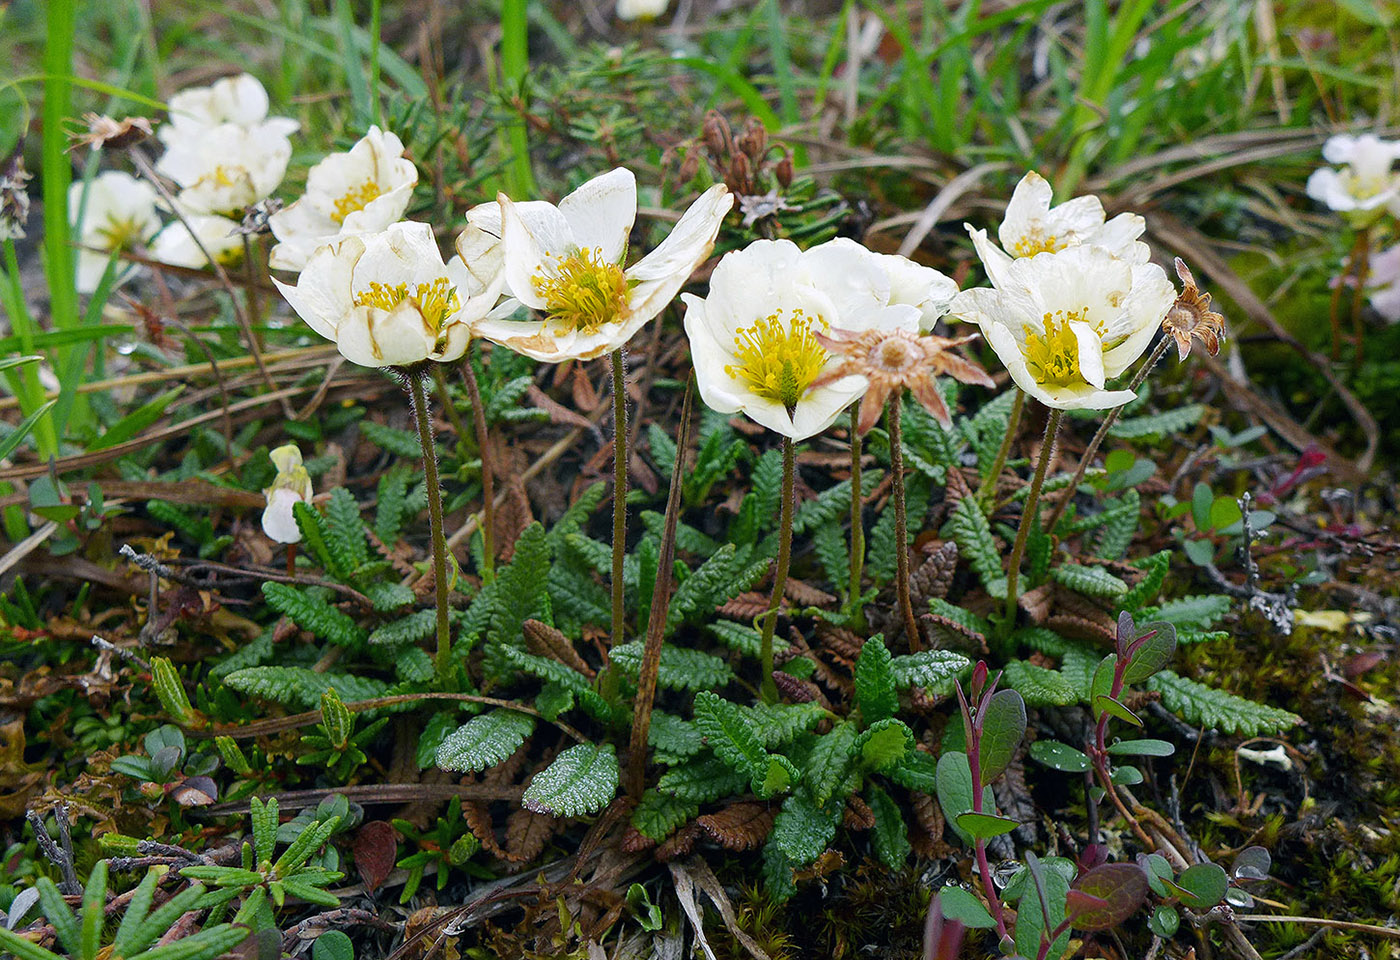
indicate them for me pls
(1040, 687)
(934, 670)
(1090, 581)
(485, 741)
(890, 836)
(1205, 706)
(581, 780)
(876, 695)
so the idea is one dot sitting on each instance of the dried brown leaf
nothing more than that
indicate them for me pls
(478, 820)
(527, 833)
(858, 815)
(679, 844)
(934, 577)
(745, 607)
(807, 595)
(739, 826)
(543, 640)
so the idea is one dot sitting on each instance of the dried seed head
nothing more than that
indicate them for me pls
(690, 166)
(740, 178)
(715, 133)
(14, 200)
(754, 141)
(112, 134)
(1190, 317)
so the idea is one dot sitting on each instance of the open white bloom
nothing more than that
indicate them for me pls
(226, 168)
(113, 212)
(218, 235)
(1366, 185)
(388, 300)
(239, 100)
(566, 261)
(360, 191)
(1383, 283)
(291, 486)
(640, 9)
(1031, 226)
(1064, 323)
(752, 339)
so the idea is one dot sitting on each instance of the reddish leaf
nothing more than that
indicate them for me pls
(376, 848)
(1106, 896)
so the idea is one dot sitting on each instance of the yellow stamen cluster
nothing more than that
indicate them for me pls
(356, 198)
(436, 300)
(1362, 187)
(779, 359)
(1053, 356)
(586, 294)
(1029, 244)
(119, 234)
(220, 177)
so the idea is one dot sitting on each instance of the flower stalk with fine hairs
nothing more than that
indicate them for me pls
(416, 380)
(892, 357)
(857, 565)
(1028, 517)
(488, 480)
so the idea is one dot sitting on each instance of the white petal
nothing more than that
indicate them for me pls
(601, 212)
(708, 358)
(323, 294)
(852, 277)
(531, 250)
(532, 338)
(1090, 354)
(278, 520)
(1143, 311)
(1027, 212)
(384, 338)
(1074, 220)
(1119, 236)
(665, 270)
(995, 261)
(751, 283)
(920, 286)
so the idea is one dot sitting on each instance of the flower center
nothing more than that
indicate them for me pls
(895, 355)
(119, 234)
(1362, 186)
(778, 358)
(356, 198)
(436, 299)
(1036, 241)
(1053, 356)
(586, 294)
(220, 176)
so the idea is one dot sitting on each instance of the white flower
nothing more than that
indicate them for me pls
(117, 212)
(1031, 226)
(1366, 185)
(751, 339)
(360, 191)
(1064, 323)
(226, 168)
(239, 100)
(1383, 282)
(174, 244)
(566, 261)
(640, 9)
(291, 486)
(222, 148)
(387, 299)
(886, 278)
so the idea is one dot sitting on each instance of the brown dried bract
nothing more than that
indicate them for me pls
(111, 134)
(895, 359)
(1190, 317)
(739, 826)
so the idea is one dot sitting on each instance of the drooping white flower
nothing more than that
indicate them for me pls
(1366, 185)
(1383, 283)
(176, 246)
(640, 9)
(1064, 323)
(387, 299)
(291, 486)
(222, 148)
(752, 339)
(113, 212)
(1031, 226)
(360, 191)
(566, 262)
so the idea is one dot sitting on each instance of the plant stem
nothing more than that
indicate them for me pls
(619, 545)
(767, 687)
(974, 765)
(418, 397)
(1101, 434)
(988, 488)
(1360, 265)
(488, 483)
(857, 502)
(1028, 517)
(901, 526)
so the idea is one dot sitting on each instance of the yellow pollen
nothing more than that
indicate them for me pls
(436, 300)
(779, 359)
(1029, 244)
(1361, 187)
(356, 198)
(1053, 356)
(220, 176)
(587, 293)
(119, 234)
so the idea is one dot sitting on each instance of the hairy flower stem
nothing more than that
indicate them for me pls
(901, 526)
(1101, 434)
(488, 483)
(857, 502)
(417, 381)
(767, 687)
(987, 491)
(619, 545)
(1360, 265)
(1028, 517)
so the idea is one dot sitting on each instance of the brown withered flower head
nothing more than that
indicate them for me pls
(894, 359)
(14, 199)
(1190, 317)
(103, 131)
